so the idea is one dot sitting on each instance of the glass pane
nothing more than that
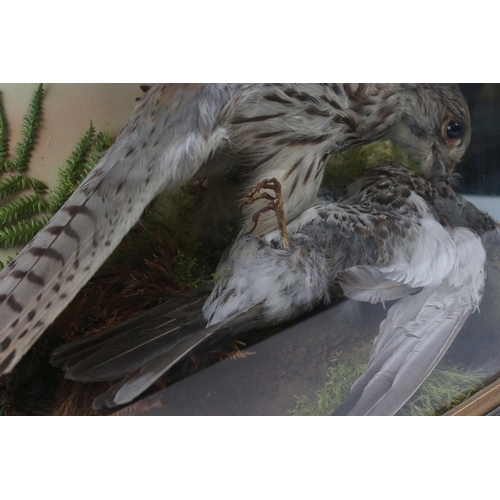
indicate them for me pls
(304, 367)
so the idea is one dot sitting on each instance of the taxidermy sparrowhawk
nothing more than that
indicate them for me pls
(235, 136)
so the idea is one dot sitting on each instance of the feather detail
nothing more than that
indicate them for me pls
(417, 332)
(398, 367)
(369, 284)
(49, 272)
(137, 382)
(114, 352)
(143, 349)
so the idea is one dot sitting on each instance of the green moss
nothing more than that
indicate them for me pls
(344, 168)
(166, 241)
(443, 389)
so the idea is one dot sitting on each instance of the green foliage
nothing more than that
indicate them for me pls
(191, 269)
(26, 205)
(21, 218)
(31, 122)
(344, 168)
(165, 245)
(339, 379)
(85, 155)
(4, 140)
(21, 232)
(18, 183)
(444, 388)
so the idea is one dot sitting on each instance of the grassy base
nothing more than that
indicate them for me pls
(443, 389)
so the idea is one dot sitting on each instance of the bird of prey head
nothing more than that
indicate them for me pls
(434, 126)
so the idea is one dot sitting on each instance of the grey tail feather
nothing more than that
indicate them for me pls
(89, 358)
(141, 350)
(134, 384)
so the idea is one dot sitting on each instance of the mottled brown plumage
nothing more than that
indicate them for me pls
(233, 135)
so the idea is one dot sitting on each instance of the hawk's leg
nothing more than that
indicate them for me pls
(275, 204)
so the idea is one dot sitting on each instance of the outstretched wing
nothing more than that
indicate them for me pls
(173, 130)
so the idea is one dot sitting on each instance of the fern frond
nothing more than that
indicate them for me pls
(18, 183)
(17, 222)
(8, 260)
(21, 232)
(59, 194)
(77, 158)
(73, 171)
(38, 186)
(25, 206)
(4, 140)
(100, 145)
(31, 122)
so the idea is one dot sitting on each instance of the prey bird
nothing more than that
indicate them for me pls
(233, 136)
(395, 237)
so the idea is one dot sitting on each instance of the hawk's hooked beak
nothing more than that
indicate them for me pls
(440, 167)
(441, 173)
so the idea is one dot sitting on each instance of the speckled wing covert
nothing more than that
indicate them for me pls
(390, 244)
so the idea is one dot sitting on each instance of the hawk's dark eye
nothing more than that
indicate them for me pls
(453, 130)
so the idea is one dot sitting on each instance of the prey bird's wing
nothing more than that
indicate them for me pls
(418, 330)
(114, 352)
(413, 339)
(369, 284)
(172, 132)
(136, 382)
(138, 352)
